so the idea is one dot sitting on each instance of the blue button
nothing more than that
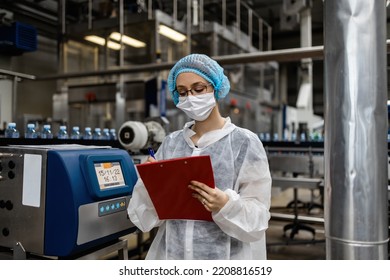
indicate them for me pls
(102, 209)
(107, 208)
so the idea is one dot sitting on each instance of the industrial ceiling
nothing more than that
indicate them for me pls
(45, 15)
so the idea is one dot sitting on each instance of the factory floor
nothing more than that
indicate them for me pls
(304, 245)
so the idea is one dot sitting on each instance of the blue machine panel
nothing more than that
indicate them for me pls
(87, 192)
(18, 38)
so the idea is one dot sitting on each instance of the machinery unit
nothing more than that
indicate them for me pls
(133, 135)
(18, 38)
(64, 200)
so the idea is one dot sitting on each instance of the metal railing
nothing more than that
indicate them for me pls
(254, 21)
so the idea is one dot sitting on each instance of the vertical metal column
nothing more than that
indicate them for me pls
(355, 129)
(62, 45)
(306, 41)
(201, 16)
(14, 97)
(238, 19)
(120, 96)
(189, 26)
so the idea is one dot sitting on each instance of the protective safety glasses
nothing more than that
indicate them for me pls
(196, 89)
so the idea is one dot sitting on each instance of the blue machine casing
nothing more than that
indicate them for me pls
(18, 38)
(76, 218)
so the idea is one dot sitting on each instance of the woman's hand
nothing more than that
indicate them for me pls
(213, 199)
(151, 159)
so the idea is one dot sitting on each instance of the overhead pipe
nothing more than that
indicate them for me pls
(285, 55)
(294, 54)
(355, 78)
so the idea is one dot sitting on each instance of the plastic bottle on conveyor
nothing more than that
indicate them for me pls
(97, 134)
(113, 134)
(11, 131)
(87, 133)
(30, 131)
(106, 134)
(75, 133)
(62, 133)
(46, 132)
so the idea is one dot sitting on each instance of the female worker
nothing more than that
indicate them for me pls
(240, 201)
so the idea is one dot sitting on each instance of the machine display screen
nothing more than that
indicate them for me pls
(109, 175)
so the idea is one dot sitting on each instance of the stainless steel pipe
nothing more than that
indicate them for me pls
(356, 211)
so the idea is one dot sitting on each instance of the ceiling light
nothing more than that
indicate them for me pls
(95, 39)
(127, 40)
(113, 45)
(170, 33)
(102, 42)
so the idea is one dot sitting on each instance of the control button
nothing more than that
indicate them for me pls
(11, 174)
(11, 164)
(9, 205)
(2, 204)
(110, 207)
(5, 231)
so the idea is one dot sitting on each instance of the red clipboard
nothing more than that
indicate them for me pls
(167, 184)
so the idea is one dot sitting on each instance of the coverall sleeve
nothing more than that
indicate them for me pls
(141, 210)
(245, 216)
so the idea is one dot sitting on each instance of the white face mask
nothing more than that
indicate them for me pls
(197, 107)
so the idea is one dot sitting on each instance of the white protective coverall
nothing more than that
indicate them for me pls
(241, 170)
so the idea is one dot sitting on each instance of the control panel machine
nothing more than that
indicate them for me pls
(63, 200)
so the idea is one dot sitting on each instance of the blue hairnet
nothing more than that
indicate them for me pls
(203, 66)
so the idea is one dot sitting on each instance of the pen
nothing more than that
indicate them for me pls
(151, 153)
